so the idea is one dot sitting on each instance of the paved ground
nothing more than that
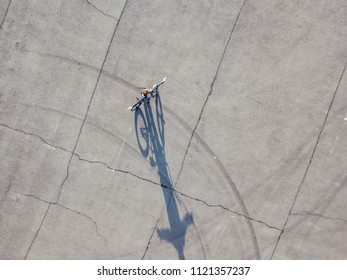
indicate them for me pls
(242, 155)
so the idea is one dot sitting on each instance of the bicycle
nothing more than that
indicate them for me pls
(152, 93)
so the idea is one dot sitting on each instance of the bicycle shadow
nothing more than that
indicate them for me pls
(151, 142)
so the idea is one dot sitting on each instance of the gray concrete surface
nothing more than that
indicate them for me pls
(242, 155)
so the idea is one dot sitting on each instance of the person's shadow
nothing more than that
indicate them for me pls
(151, 142)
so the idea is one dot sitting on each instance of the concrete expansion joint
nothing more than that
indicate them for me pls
(107, 15)
(72, 210)
(304, 213)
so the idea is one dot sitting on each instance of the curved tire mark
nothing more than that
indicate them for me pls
(224, 172)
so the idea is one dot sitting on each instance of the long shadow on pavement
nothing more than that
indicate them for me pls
(151, 142)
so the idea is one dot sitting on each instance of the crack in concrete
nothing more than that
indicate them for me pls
(77, 155)
(116, 169)
(91, 99)
(3, 20)
(9, 185)
(35, 135)
(8, 188)
(157, 223)
(37, 232)
(65, 179)
(311, 159)
(36, 197)
(303, 213)
(154, 230)
(80, 131)
(174, 190)
(228, 210)
(72, 210)
(210, 92)
(90, 3)
(93, 221)
(48, 144)
(124, 172)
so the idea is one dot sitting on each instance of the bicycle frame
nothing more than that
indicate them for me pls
(153, 91)
(138, 103)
